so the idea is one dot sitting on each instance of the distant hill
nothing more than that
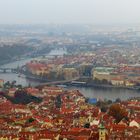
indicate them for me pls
(8, 52)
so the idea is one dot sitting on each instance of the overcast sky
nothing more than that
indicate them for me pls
(69, 11)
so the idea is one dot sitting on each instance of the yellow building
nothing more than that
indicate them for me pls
(102, 132)
(129, 83)
(101, 76)
(117, 82)
(70, 73)
(41, 71)
(102, 73)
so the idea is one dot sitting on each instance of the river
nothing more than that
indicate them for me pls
(100, 93)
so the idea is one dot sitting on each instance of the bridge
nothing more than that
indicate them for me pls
(58, 82)
(8, 70)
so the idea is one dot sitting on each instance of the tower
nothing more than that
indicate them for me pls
(102, 132)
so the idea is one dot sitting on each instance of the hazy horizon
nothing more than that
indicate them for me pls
(103, 12)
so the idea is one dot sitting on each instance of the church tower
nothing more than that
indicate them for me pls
(102, 132)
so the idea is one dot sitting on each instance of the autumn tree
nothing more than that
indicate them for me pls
(118, 112)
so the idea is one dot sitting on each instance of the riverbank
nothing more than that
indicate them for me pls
(103, 86)
(79, 84)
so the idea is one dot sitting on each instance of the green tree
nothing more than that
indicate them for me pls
(87, 125)
(30, 120)
(7, 84)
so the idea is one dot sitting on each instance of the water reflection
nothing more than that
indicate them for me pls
(108, 93)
